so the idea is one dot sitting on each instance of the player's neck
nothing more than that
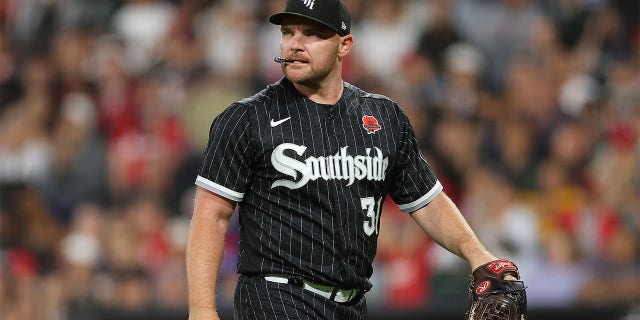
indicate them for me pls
(327, 95)
(327, 92)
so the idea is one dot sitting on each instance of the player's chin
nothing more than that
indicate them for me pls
(297, 77)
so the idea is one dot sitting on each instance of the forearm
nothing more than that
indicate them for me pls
(444, 223)
(204, 252)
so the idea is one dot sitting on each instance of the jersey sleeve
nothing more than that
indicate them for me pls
(226, 163)
(413, 183)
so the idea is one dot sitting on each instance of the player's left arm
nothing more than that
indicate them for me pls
(494, 287)
(444, 223)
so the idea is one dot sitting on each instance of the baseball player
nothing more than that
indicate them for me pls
(308, 161)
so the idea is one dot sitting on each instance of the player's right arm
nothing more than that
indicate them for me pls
(205, 246)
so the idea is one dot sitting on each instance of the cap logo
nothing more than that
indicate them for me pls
(309, 3)
(344, 26)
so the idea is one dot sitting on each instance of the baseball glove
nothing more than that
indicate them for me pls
(493, 298)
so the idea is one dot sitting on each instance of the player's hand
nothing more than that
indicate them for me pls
(510, 278)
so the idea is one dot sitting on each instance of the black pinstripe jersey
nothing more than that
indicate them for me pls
(310, 179)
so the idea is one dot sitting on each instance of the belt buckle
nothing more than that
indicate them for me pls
(345, 295)
(334, 293)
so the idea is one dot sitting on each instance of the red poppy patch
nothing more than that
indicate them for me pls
(370, 124)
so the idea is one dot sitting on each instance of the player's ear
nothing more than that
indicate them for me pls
(345, 45)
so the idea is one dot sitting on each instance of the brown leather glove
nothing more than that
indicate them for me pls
(493, 298)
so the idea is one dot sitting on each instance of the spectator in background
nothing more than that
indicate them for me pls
(32, 231)
(29, 239)
(169, 286)
(122, 244)
(489, 26)
(455, 151)
(463, 66)
(30, 24)
(116, 104)
(71, 53)
(148, 217)
(24, 127)
(403, 258)
(143, 24)
(614, 279)
(505, 221)
(132, 290)
(225, 46)
(384, 19)
(10, 89)
(508, 147)
(81, 252)
(570, 148)
(144, 159)
(558, 277)
(78, 169)
(438, 34)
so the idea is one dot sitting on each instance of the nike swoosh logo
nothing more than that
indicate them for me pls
(279, 122)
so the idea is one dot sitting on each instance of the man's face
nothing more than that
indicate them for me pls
(313, 47)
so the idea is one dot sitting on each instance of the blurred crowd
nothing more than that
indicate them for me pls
(528, 110)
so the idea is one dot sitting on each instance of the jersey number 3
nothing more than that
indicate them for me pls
(372, 212)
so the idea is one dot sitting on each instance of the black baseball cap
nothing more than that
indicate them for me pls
(331, 13)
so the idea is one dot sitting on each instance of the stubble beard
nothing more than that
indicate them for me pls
(312, 78)
(309, 79)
